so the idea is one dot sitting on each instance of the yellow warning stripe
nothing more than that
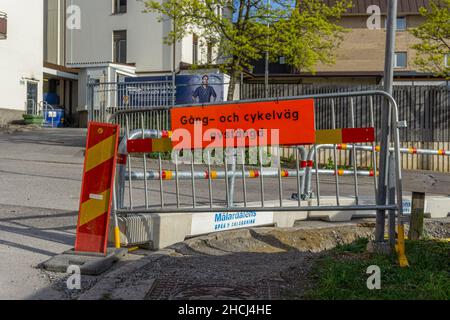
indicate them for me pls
(402, 259)
(93, 208)
(101, 152)
(168, 175)
(329, 136)
(162, 145)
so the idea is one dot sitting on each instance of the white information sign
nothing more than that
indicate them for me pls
(219, 221)
(406, 206)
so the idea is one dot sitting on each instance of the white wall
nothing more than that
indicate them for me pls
(94, 41)
(21, 54)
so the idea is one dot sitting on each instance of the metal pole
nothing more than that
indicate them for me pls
(227, 189)
(174, 52)
(336, 176)
(194, 201)
(177, 182)
(374, 155)
(244, 182)
(266, 75)
(116, 220)
(386, 118)
(391, 200)
(355, 160)
(233, 176)
(209, 180)
(144, 158)
(261, 177)
(130, 184)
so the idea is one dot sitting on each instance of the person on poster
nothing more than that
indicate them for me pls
(205, 93)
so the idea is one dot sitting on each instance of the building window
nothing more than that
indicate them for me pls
(401, 23)
(120, 46)
(3, 25)
(400, 60)
(194, 49)
(32, 97)
(120, 6)
(209, 54)
(219, 11)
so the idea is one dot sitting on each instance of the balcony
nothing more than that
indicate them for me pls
(3, 25)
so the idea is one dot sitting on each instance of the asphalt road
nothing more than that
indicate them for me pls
(40, 179)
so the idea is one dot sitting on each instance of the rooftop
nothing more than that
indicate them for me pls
(404, 6)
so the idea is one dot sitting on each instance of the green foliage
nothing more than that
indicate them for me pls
(434, 34)
(164, 155)
(330, 164)
(309, 36)
(358, 246)
(304, 32)
(342, 274)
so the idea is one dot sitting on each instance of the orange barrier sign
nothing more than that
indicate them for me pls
(293, 118)
(96, 190)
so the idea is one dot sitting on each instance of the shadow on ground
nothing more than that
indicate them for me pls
(262, 263)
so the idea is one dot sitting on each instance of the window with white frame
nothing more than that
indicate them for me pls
(194, 49)
(120, 46)
(400, 24)
(120, 6)
(400, 60)
(3, 25)
(219, 11)
(209, 53)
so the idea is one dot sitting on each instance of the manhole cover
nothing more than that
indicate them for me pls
(213, 293)
(188, 289)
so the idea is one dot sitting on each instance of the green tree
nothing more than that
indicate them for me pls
(304, 32)
(434, 34)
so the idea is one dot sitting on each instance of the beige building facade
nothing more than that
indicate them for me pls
(360, 57)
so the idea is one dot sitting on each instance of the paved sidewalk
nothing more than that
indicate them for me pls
(40, 179)
(29, 236)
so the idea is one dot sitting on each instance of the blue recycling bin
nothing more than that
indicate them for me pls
(55, 118)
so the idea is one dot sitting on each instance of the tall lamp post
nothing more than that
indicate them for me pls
(391, 27)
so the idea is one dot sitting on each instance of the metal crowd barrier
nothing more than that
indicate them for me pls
(232, 172)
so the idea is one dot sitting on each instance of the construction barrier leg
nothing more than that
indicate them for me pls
(117, 237)
(402, 259)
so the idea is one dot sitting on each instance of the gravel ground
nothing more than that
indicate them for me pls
(261, 263)
(439, 229)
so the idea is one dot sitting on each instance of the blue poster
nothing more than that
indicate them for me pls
(200, 88)
(190, 89)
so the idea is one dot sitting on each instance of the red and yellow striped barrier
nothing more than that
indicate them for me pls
(96, 190)
(337, 136)
(149, 145)
(345, 135)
